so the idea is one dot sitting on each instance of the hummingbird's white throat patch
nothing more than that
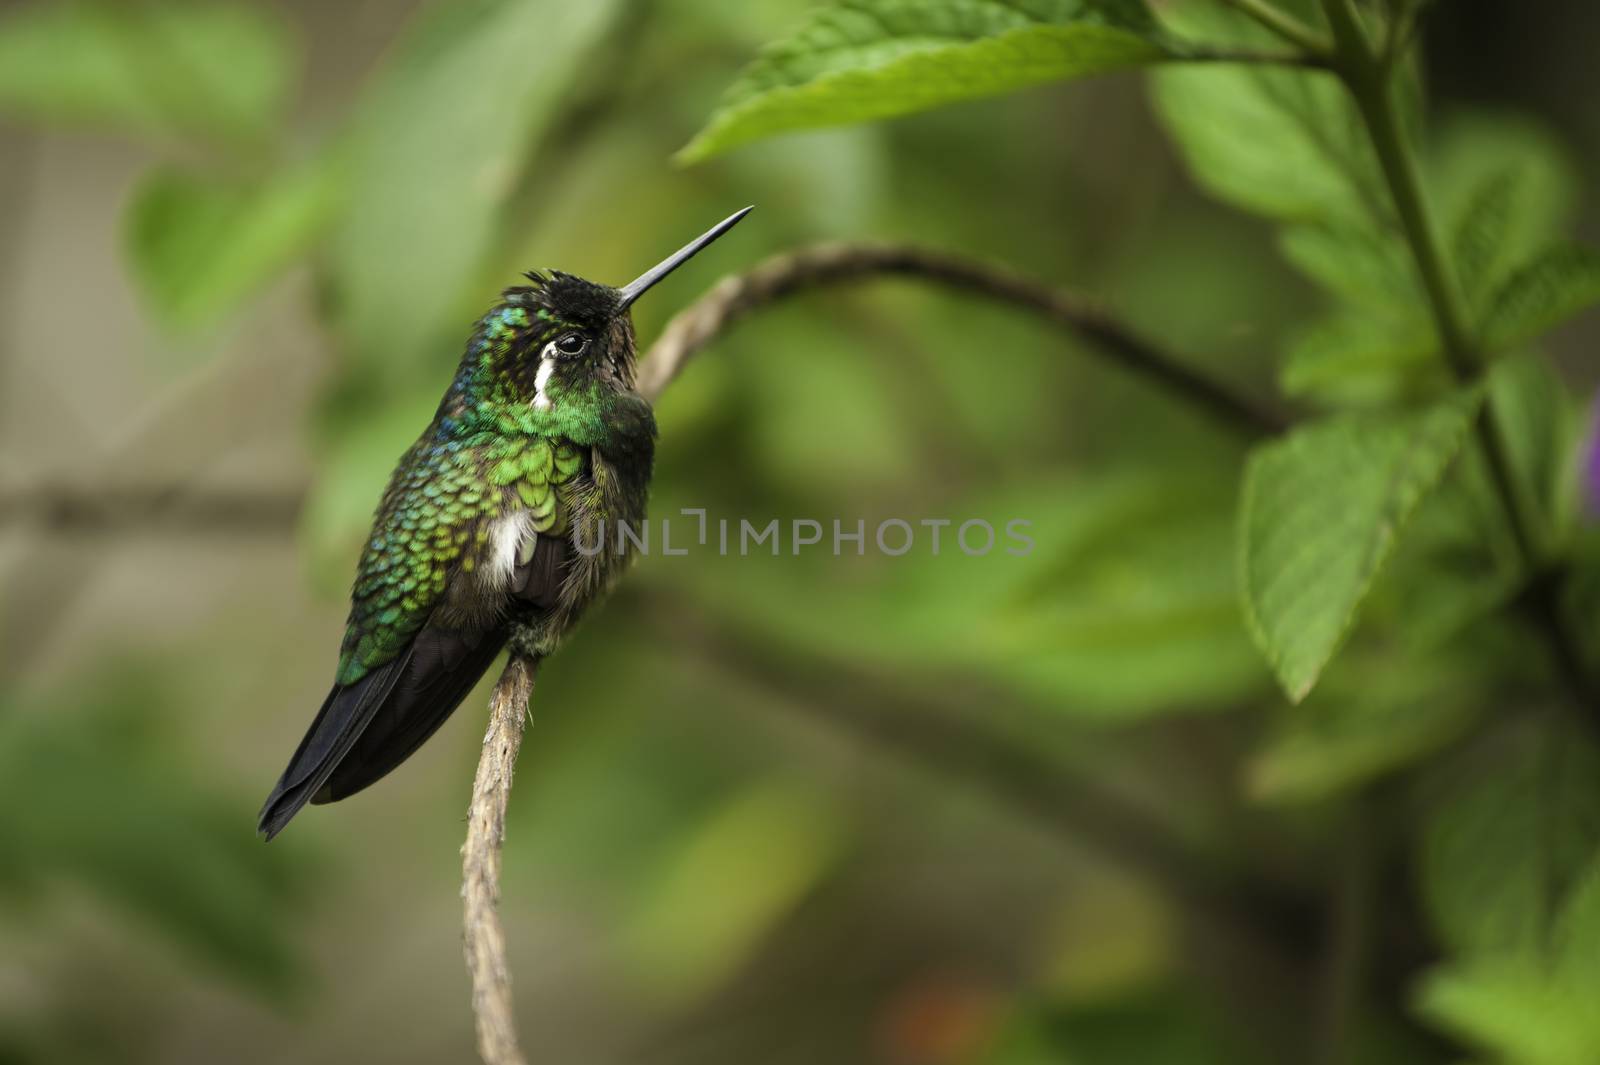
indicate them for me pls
(547, 366)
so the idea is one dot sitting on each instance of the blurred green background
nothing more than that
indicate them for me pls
(777, 809)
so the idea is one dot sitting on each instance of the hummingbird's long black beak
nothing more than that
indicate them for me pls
(637, 287)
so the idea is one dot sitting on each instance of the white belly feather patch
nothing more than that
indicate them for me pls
(512, 540)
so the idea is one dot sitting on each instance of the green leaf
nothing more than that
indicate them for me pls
(1506, 188)
(1509, 842)
(1517, 1011)
(1511, 877)
(212, 70)
(1283, 143)
(861, 60)
(1361, 724)
(1355, 262)
(1555, 286)
(1321, 511)
(198, 245)
(437, 153)
(1354, 356)
(1120, 623)
(1480, 237)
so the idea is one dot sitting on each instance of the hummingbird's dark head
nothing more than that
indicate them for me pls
(580, 331)
(576, 331)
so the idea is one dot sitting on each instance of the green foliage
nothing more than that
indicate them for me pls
(1511, 871)
(1354, 262)
(1503, 850)
(870, 59)
(736, 875)
(1319, 514)
(163, 845)
(199, 244)
(1536, 416)
(1505, 189)
(219, 71)
(1369, 719)
(1152, 1028)
(416, 146)
(1555, 286)
(1119, 622)
(670, 816)
(1280, 142)
(1362, 357)
(1520, 1012)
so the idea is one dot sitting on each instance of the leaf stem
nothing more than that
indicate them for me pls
(1366, 72)
(1284, 25)
(1209, 54)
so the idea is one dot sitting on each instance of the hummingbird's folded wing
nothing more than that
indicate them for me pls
(436, 675)
(400, 673)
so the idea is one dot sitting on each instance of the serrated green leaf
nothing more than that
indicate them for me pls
(1506, 189)
(1556, 285)
(1357, 356)
(1283, 143)
(862, 60)
(1479, 242)
(1353, 261)
(198, 245)
(436, 153)
(1320, 512)
(164, 69)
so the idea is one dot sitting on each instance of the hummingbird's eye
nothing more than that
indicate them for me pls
(572, 344)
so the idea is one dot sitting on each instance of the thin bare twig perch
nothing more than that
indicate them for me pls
(485, 940)
(695, 327)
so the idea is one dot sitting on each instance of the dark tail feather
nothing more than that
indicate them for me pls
(344, 716)
(441, 671)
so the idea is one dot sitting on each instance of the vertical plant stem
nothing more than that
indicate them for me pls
(1348, 940)
(1367, 74)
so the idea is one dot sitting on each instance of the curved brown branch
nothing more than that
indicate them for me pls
(829, 264)
(484, 938)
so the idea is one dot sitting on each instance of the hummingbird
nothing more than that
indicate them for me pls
(540, 444)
